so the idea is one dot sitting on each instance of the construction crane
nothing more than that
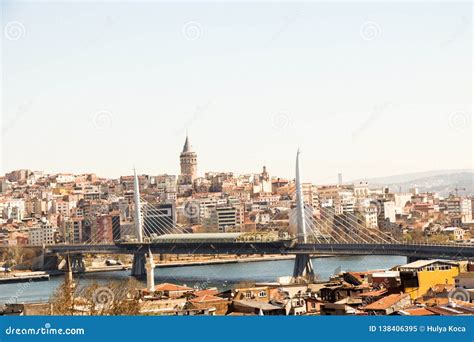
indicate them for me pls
(457, 189)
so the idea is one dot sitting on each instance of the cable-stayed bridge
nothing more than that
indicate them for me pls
(323, 233)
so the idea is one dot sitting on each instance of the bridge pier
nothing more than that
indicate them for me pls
(303, 268)
(45, 262)
(138, 266)
(77, 263)
(413, 258)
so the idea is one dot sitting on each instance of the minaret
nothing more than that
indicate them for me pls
(150, 272)
(138, 214)
(301, 230)
(188, 162)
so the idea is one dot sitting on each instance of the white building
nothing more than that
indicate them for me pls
(228, 218)
(361, 189)
(456, 232)
(262, 182)
(401, 200)
(65, 178)
(44, 234)
(63, 207)
(13, 208)
(389, 211)
(458, 206)
(370, 215)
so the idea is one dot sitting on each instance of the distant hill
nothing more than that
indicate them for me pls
(442, 181)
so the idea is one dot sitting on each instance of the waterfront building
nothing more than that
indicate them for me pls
(45, 234)
(456, 233)
(72, 230)
(171, 290)
(419, 276)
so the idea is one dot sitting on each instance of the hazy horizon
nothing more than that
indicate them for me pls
(421, 174)
(366, 89)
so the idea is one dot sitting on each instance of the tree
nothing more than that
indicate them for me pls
(114, 298)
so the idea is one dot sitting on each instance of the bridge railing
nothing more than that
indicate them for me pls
(438, 244)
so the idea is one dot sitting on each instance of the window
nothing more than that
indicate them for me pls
(248, 294)
(262, 294)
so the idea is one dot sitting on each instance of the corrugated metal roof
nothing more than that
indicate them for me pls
(423, 263)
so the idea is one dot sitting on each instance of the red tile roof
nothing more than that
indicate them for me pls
(385, 302)
(211, 292)
(374, 293)
(418, 312)
(206, 298)
(171, 287)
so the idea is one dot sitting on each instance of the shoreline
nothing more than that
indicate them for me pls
(45, 275)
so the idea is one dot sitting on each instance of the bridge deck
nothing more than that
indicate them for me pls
(452, 251)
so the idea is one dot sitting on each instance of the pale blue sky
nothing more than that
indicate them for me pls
(100, 87)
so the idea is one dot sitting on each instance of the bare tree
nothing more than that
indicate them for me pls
(113, 298)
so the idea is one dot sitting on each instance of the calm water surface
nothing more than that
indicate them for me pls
(222, 276)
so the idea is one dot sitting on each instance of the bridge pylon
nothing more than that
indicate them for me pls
(76, 263)
(138, 266)
(138, 213)
(303, 267)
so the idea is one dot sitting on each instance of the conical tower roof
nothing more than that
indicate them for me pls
(187, 145)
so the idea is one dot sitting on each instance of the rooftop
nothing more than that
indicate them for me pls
(257, 305)
(171, 287)
(206, 298)
(386, 302)
(211, 292)
(422, 263)
(416, 311)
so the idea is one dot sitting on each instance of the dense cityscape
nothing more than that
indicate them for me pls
(38, 210)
